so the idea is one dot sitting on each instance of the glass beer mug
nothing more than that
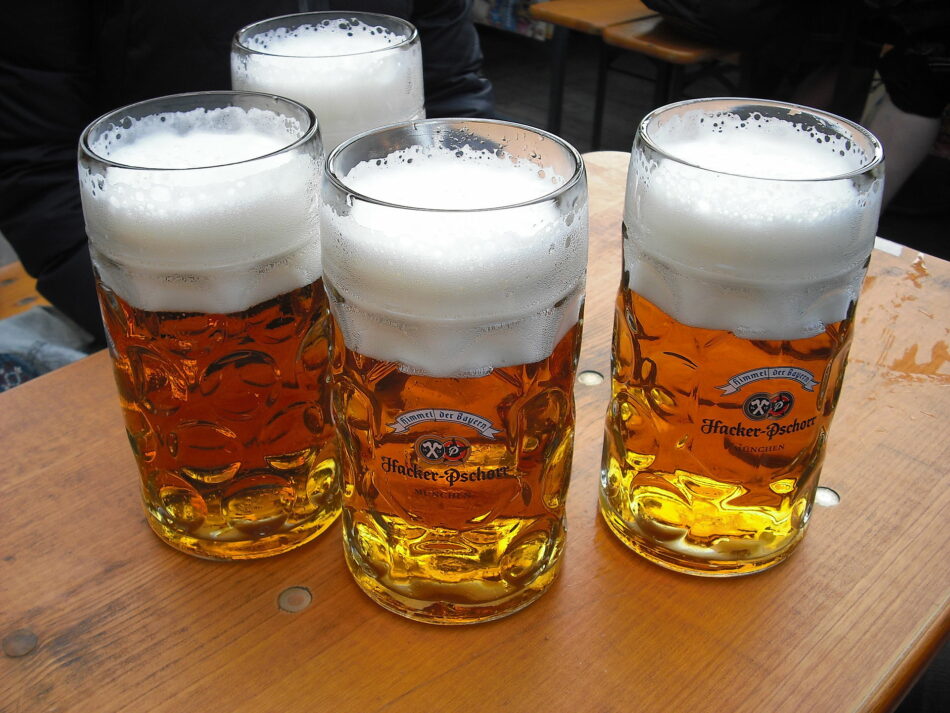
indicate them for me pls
(747, 230)
(355, 70)
(202, 216)
(455, 255)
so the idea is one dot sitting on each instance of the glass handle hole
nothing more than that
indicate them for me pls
(590, 378)
(294, 599)
(826, 497)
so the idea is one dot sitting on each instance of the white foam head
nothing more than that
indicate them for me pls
(202, 210)
(753, 225)
(353, 72)
(466, 279)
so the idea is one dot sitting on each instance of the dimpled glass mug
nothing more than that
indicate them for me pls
(202, 216)
(455, 256)
(747, 231)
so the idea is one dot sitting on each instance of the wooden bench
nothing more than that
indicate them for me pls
(591, 17)
(17, 291)
(670, 49)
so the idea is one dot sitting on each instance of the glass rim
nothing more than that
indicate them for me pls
(84, 146)
(331, 174)
(241, 34)
(873, 161)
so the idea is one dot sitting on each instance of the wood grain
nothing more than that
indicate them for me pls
(590, 16)
(125, 623)
(656, 37)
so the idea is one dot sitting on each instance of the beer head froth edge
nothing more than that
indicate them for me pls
(758, 220)
(203, 202)
(447, 251)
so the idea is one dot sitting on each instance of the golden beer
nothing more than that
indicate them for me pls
(201, 211)
(747, 231)
(720, 482)
(228, 418)
(455, 274)
(464, 506)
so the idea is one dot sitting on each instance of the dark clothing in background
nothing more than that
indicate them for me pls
(786, 40)
(916, 71)
(771, 34)
(737, 23)
(63, 64)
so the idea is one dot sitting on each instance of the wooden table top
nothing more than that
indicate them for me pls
(124, 623)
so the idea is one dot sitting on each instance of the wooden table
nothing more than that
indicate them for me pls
(124, 623)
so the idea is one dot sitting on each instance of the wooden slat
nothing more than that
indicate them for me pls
(124, 623)
(17, 291)
(656, 38)
(589, 16)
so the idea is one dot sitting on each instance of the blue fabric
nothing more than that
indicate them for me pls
(14, 371)
(37, 341)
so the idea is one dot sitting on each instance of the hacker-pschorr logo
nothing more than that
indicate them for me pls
(438, 449)
(759, 407)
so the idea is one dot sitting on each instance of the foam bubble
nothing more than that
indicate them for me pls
(328, 38)
(760, 251)
(338, 69)
(215, 238)
(757, 146)
(462, 289)
(203, 148)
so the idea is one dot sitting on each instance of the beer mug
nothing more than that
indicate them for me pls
(747, 230)
(203, 223)
(454, 257)
(355, 70)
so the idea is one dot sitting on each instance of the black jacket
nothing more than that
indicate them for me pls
(62, 64)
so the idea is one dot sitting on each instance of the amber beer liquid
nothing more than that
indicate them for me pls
(207, 263)
(227, 415)
(442, 511)
(688, 465)
(456, 336)
(747, 231)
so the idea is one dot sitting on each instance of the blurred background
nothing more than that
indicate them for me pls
(519, 50)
